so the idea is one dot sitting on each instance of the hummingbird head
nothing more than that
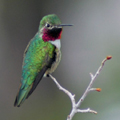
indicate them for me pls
(51, 28)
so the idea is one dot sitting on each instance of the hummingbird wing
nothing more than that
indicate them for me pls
(40, 75)
(38, 57)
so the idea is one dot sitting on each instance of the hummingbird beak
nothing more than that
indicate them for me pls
(61, 25)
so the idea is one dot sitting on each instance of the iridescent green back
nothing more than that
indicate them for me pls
(35, 58)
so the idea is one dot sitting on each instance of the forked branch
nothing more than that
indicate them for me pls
(76, 105)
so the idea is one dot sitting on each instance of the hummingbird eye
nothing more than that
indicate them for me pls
(47, 25)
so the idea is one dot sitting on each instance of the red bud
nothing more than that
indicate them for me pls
(108, 57)
(98, 89)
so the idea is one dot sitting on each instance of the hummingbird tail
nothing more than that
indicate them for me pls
(21, 96)
(26, 91)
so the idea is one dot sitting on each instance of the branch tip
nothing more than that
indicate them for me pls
(91, 75)
(108, 57)
(98, 89)
(95, 89)
(92, 111)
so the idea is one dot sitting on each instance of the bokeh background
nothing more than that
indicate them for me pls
(95, 34)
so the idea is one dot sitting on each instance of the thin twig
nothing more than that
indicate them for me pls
(75, 106)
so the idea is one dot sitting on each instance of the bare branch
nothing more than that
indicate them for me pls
(86, 111)
(75, 106)
(72, 97)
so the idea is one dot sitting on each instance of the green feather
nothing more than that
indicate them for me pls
(37, 55)
(38, 58)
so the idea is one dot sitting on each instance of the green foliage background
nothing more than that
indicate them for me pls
(95, 34)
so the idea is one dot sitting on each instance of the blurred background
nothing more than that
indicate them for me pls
(95, 34)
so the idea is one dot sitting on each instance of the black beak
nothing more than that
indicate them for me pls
(65, 25)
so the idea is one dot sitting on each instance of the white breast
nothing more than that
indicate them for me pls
(57, 43)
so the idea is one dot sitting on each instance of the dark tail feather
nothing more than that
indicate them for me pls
(25, 93)
(15, 103)
(21, 96)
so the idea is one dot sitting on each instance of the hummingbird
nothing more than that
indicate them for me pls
(41, 57)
